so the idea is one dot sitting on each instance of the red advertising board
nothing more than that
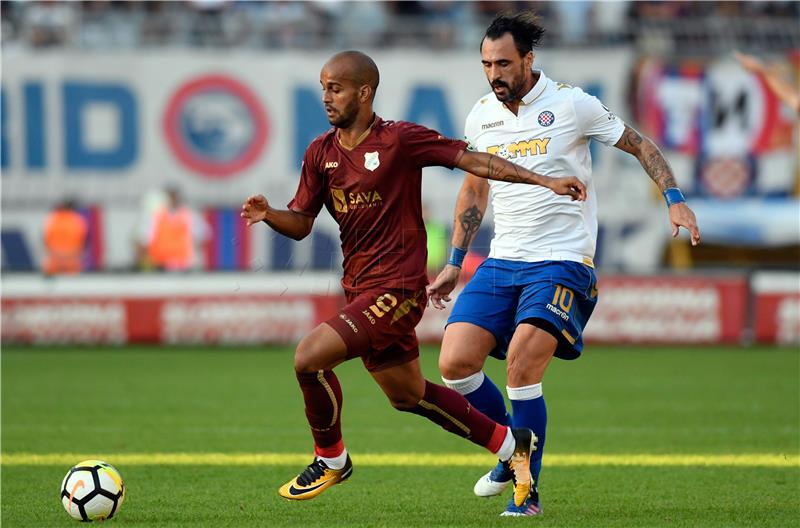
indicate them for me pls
(207, 319)
(631, 309)
(777, 308)
(669, 309)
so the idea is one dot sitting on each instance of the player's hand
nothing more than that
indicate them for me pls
(569, 186)
(681, 216)
(439, 290)
(254, 209)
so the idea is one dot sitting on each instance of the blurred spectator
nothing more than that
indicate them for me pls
(65, 235)
(49, 23)
(444, 20)
(657, 26)
(365, 24)
(611, 21)
(9, 23)
(574, 18)
(157, 25)
(173, 231)
(207, 24)
(288, 24)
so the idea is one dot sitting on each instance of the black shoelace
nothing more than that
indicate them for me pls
(314, 471)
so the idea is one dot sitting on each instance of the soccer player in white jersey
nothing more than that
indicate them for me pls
(530, 300)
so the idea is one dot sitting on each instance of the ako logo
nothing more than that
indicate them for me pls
(215, 126)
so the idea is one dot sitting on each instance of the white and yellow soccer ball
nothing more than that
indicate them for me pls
(92, 491)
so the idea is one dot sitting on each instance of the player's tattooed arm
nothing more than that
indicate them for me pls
(470, 208)
(649, 156)
(653, 162)
(484, 165)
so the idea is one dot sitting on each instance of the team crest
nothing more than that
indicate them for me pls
(371, 161)
(546, 118)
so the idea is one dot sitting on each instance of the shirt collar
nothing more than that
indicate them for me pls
(537, 89)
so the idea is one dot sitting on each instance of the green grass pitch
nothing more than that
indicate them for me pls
(662, 405)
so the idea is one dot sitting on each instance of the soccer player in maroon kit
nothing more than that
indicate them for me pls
(367, 172)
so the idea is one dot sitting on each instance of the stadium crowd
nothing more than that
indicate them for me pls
(660, 26)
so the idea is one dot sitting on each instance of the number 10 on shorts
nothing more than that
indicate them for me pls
(563, 298)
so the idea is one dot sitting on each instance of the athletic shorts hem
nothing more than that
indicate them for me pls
(564, 349)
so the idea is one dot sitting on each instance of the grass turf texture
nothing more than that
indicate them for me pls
(704, 401)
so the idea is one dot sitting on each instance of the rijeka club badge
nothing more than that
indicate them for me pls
(371, 161)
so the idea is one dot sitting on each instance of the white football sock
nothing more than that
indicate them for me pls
(466, 385)
(338, 461)
(507, 448)
(529, 392)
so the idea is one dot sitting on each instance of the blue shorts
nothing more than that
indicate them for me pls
(556, 296)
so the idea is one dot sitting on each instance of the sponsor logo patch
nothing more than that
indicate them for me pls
(487, 126)
(517, 149)
(559, 312)
(339, 200)
(349, 322)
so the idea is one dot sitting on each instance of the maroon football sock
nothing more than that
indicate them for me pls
(454, 413)
(323, 396)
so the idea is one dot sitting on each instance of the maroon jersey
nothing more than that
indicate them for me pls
(374, 192)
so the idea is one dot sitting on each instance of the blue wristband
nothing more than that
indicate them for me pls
(673, 196)
(457, 256)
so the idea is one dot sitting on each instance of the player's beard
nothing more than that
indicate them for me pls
(346, 117)
(513, 90)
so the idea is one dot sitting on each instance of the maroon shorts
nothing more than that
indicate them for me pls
(378, 325)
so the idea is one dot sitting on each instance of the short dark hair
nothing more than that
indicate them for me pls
(525, 29)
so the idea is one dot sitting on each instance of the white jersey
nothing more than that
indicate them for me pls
(550, 136)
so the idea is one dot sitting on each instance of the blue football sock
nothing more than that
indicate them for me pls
(482, 394)
(529, 410)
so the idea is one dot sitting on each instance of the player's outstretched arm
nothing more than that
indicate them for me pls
(656, 166)
(493, 167)
(470, 208)
(288, 223)
(782, 89)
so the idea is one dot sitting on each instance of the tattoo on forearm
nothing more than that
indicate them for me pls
(658, 169)
(470, 221)
(632, 138)
(498, 171)
(651, 158)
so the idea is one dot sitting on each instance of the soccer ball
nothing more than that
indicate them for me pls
(92, 491)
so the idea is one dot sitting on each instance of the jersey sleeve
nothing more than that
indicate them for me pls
(426, 147)
(595, 120)
(471, 131)
(310, 195)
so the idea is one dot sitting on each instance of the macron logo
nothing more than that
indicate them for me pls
(487, 126)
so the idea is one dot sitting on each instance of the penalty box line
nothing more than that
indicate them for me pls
(403, 459)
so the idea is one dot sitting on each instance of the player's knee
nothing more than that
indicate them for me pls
(454, 368)
(305, 356)
(525, 370)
